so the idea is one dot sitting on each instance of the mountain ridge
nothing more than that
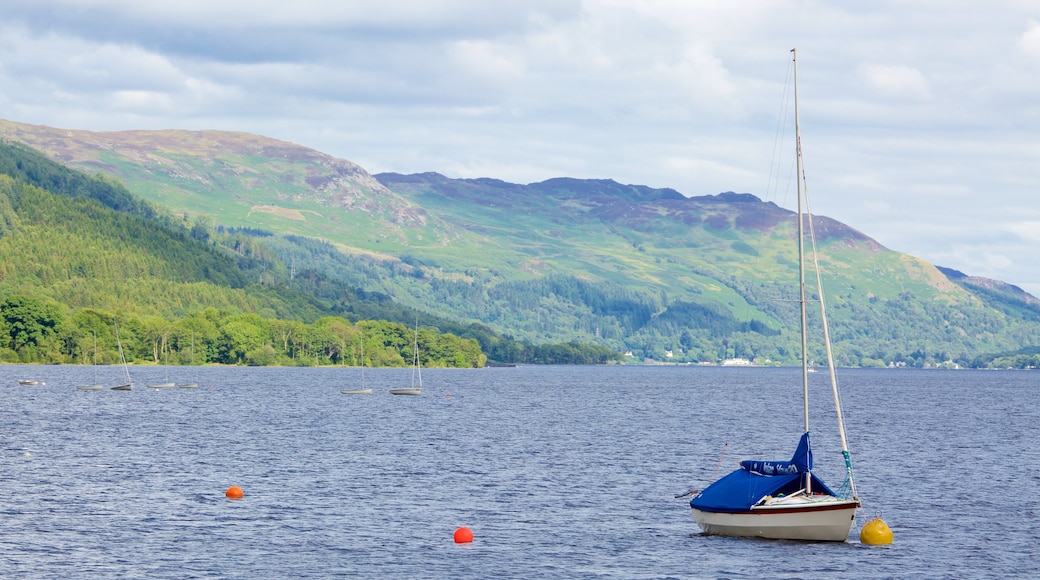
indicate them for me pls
(550, 260)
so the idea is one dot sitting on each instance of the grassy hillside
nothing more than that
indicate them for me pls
(627, 267)
(243, 180)
(80, 255)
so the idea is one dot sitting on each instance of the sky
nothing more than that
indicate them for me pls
(920, 119)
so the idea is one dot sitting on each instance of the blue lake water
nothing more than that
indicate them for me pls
(566, 472)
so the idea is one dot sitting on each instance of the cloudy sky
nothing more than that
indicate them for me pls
(921, 119)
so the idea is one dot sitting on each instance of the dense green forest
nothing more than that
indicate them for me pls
(85, 256)
(1024, 358)
(32, 330)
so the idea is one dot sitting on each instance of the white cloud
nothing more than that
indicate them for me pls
(920, 119)
(1029, 42)
(896, 81)
(309, 14)
(1027, 231)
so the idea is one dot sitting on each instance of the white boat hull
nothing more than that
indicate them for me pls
(90, 388)
(821, 521)
(357, 392)
(161, 386)
(406, 391)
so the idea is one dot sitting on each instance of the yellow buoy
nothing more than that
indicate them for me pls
(875, 532)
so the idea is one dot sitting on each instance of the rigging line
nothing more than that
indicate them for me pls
(718, 465)
(779, 142)
(783, 124)
(826, 332)
(771, 189)
(779, 139)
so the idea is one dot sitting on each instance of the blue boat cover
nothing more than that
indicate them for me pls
(743, 488)
(800, 463)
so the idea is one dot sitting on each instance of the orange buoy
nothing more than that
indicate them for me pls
(233, 492)
(447, 394)
(463, 535)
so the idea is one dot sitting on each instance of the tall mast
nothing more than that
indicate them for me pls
(801, 260)
(803, 196)
(801, 247)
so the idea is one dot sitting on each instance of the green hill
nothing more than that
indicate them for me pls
(85, 256)
(628, 267)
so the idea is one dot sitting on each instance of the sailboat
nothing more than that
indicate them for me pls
(167, 383)
(129, 384)
(784, 499)
(363, 390)
(96, 386)
(193, 384)
(416, 388)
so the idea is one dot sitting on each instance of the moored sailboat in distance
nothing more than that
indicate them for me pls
(95, 386)
(363, 390)
(416, 388)
(129, 384)
(784, 499)
(166, 382)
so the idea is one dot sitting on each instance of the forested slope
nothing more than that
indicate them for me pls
(87, 242)
(87, 257)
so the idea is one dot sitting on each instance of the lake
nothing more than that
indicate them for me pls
(564, 472)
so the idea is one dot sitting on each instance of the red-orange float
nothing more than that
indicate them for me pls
(463, 535)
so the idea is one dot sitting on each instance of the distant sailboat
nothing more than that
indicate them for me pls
(129, 384)
(96, 386)
(363, 390)
(416, 388)
(167, 383)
